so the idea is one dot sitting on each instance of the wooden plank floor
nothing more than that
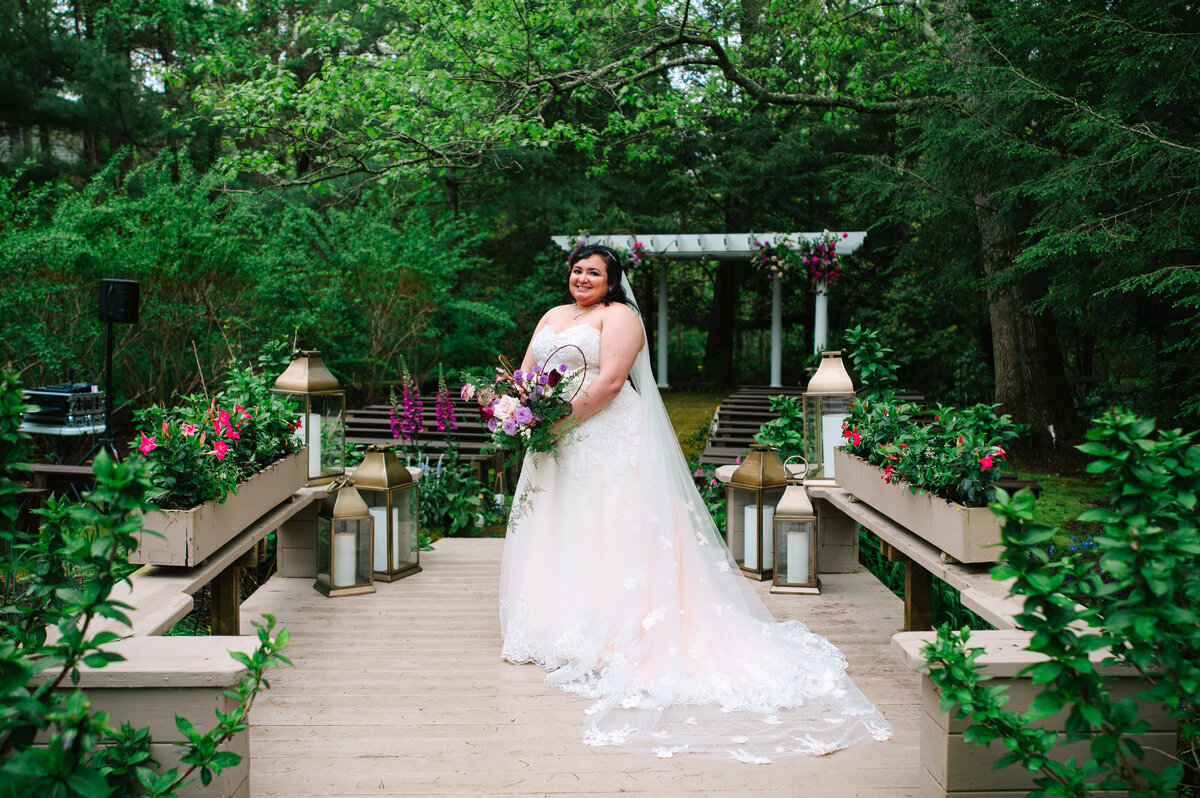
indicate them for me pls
(402, 692)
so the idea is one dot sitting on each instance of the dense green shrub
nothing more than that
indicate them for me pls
(1139, 606)
(56, 582)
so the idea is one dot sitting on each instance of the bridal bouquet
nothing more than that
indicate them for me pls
(520, 408)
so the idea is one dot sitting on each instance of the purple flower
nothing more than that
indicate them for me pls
(517, 374)
(510, 426)
(543, 379)
(562, 367)
(493, 423)
(522, 416)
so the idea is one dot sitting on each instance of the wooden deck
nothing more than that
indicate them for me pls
(402, 692)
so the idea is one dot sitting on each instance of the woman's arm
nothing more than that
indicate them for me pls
(620, 341)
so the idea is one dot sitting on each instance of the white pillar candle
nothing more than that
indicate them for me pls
(750, 560)
(314, 445)
(831, 438)
(797, 557)
(379, 558)
(752, 536)
(343, 559)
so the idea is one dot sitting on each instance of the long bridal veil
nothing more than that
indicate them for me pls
(703, 666)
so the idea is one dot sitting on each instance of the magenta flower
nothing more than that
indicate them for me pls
(985, 462)
(220, 447)
(147, 445)
(188, 430)
(444, 408)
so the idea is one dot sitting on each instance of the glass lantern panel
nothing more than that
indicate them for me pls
(323, 549)
(761, 543)
(376, 501)
(834, 412)
(812, 434)
(303, 414)
(407, 539)
(794, 565)
(736, 501)
(362, 534)
(327, 427)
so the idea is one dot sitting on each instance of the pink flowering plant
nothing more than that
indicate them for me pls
(405, 415)
(817, 260)
(521, 408)
(201, 449)
(953, 453)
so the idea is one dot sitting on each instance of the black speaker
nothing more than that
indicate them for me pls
(119, 301)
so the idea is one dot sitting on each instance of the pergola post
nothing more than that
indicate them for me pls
(776, 332)
(662, 325)
(821, 318)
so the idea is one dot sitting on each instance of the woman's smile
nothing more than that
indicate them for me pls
(589, 280)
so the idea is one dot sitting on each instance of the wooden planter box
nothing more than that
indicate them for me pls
(954, 768)
(189, 536)
(968, 534)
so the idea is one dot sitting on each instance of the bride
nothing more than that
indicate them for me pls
(615, 578)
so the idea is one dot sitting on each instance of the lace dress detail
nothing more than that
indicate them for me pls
(618, 586)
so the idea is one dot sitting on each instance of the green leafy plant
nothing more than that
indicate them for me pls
(870, 359)
(449, 493)
(1138, 607)
(949, 452)
(57, 582)
(712, 491)
(786, 433)
(201, 449)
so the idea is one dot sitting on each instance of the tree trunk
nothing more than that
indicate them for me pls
(1031, 382)
(718, 350)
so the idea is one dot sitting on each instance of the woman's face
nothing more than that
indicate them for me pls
(589, 280)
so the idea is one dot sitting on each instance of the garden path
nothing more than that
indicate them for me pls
(402, 692)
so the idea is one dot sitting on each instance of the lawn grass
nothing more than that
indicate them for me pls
(690, 415)
(1067, 490)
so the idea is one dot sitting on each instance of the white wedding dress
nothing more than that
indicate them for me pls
(616, 580)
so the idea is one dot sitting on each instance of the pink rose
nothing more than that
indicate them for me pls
(505, 408)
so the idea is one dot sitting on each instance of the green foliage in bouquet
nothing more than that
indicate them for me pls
(199, 450)
(1137, 603)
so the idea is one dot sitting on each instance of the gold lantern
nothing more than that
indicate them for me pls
(390, 493)
(826, 406)
(750, 497)
(322, 414)
(344, 537)
(795, 537)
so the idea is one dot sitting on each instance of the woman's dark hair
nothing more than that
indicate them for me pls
(612, 264)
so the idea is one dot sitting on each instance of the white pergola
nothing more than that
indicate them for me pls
(726, 246)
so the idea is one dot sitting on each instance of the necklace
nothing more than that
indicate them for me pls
(579, 312)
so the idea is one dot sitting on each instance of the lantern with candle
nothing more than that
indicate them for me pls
(827, 401)
(389, 490)
(751, 494)
(795, 536)
(322, 426)
(344, 536)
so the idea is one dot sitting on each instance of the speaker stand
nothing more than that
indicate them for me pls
(106, 440)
